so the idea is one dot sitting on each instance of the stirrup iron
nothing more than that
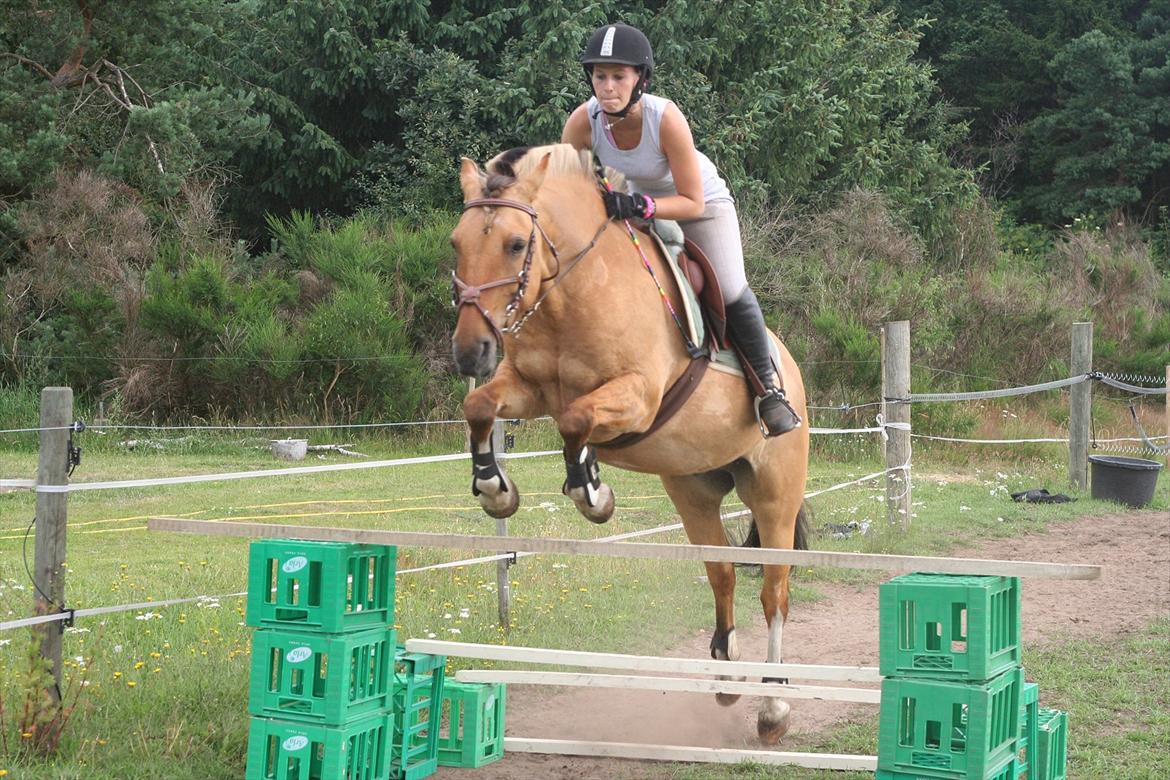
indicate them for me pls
(778, 394)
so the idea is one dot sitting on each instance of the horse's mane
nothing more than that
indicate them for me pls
(506, 168)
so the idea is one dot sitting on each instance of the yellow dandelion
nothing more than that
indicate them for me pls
(117, 675)
(139, 664)
(131, 684)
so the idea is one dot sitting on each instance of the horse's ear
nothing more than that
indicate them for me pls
(530, 184)
(471, 179)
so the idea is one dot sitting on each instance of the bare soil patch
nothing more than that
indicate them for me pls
(1133, 549)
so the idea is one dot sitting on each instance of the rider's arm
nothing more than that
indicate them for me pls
(577, 131)
(679, 147)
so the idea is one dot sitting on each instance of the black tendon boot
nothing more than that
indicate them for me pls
(745, 322)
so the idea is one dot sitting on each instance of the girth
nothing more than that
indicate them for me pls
(673, 400)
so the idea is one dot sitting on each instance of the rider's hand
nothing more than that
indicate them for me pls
(619, 205)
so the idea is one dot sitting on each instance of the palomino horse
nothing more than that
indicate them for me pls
(542, 274)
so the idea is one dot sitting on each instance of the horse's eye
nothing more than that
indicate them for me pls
(518, 245)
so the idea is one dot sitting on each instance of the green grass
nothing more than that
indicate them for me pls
(166, 688)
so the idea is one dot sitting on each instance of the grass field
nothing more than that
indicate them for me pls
(163, 692)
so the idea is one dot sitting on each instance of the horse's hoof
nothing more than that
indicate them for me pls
(773, 722)
(727, 699)
(602, 510)
(507, 509)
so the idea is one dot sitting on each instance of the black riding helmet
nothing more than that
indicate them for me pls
(623, 45)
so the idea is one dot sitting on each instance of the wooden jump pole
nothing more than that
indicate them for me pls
(690, 755)
(678, 552)
(639, 682)
(1080, 402)
(642, 663)
(896, 409)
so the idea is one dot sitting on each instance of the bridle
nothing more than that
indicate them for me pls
(464, 294)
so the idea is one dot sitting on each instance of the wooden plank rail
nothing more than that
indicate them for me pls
(642, 663)
(690, 755)
(680, 684)
(680, 552)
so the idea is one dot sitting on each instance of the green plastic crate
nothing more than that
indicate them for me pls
(1009, 771)
(1026, 751)
(321, 678)
(1052, 750)
(417, 696)
(284, 750)
(949, 627)
(949, 730)
(320, 586)
(472, 718)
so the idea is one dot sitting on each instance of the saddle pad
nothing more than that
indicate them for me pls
(669, 237)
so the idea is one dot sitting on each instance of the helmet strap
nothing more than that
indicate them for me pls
(635, 96)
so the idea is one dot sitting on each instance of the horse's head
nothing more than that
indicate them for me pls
(500, 250)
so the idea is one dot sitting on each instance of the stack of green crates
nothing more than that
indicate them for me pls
(321, 688)
(953, 689)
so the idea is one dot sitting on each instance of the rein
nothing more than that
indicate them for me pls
(692, 349)
(464, 294)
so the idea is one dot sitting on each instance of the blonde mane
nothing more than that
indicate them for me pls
(564, 160)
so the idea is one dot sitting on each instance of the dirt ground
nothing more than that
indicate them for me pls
(1133, 550)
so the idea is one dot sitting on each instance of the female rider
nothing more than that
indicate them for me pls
(648, 139)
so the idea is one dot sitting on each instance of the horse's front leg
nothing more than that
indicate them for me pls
(618, 406)
(508, 395)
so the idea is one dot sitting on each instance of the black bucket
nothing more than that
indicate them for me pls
(1130, 481)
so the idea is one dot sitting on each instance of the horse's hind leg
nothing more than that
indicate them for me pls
(697, 499)
(617, 406)
(508, 395)
(775, 503)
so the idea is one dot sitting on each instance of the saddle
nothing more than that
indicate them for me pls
(691, 266)
(700, 274)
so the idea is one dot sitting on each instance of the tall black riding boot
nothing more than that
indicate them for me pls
(745, 323)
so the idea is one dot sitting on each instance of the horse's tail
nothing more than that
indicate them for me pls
(800, 536)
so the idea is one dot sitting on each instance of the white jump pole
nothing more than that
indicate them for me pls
(642, 663)
(629, 682)
(690, 755)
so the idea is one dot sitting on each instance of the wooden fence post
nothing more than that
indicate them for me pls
(49, 559)
(896, 409)
(1080, 401)
(503, 586)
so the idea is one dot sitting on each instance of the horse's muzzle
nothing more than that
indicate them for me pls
(476, 357)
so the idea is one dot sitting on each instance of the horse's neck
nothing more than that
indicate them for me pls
(607, 307)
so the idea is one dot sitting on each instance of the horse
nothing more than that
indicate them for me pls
(543, 274)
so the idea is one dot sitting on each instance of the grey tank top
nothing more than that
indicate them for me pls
(645, 166)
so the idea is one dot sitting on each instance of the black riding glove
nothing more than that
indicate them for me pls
(619, 205)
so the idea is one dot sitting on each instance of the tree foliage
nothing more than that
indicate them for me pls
(1066, 100)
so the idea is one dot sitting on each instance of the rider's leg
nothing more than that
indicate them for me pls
(717, 234)
(745, 321)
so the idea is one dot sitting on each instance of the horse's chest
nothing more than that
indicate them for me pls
(560, 378)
